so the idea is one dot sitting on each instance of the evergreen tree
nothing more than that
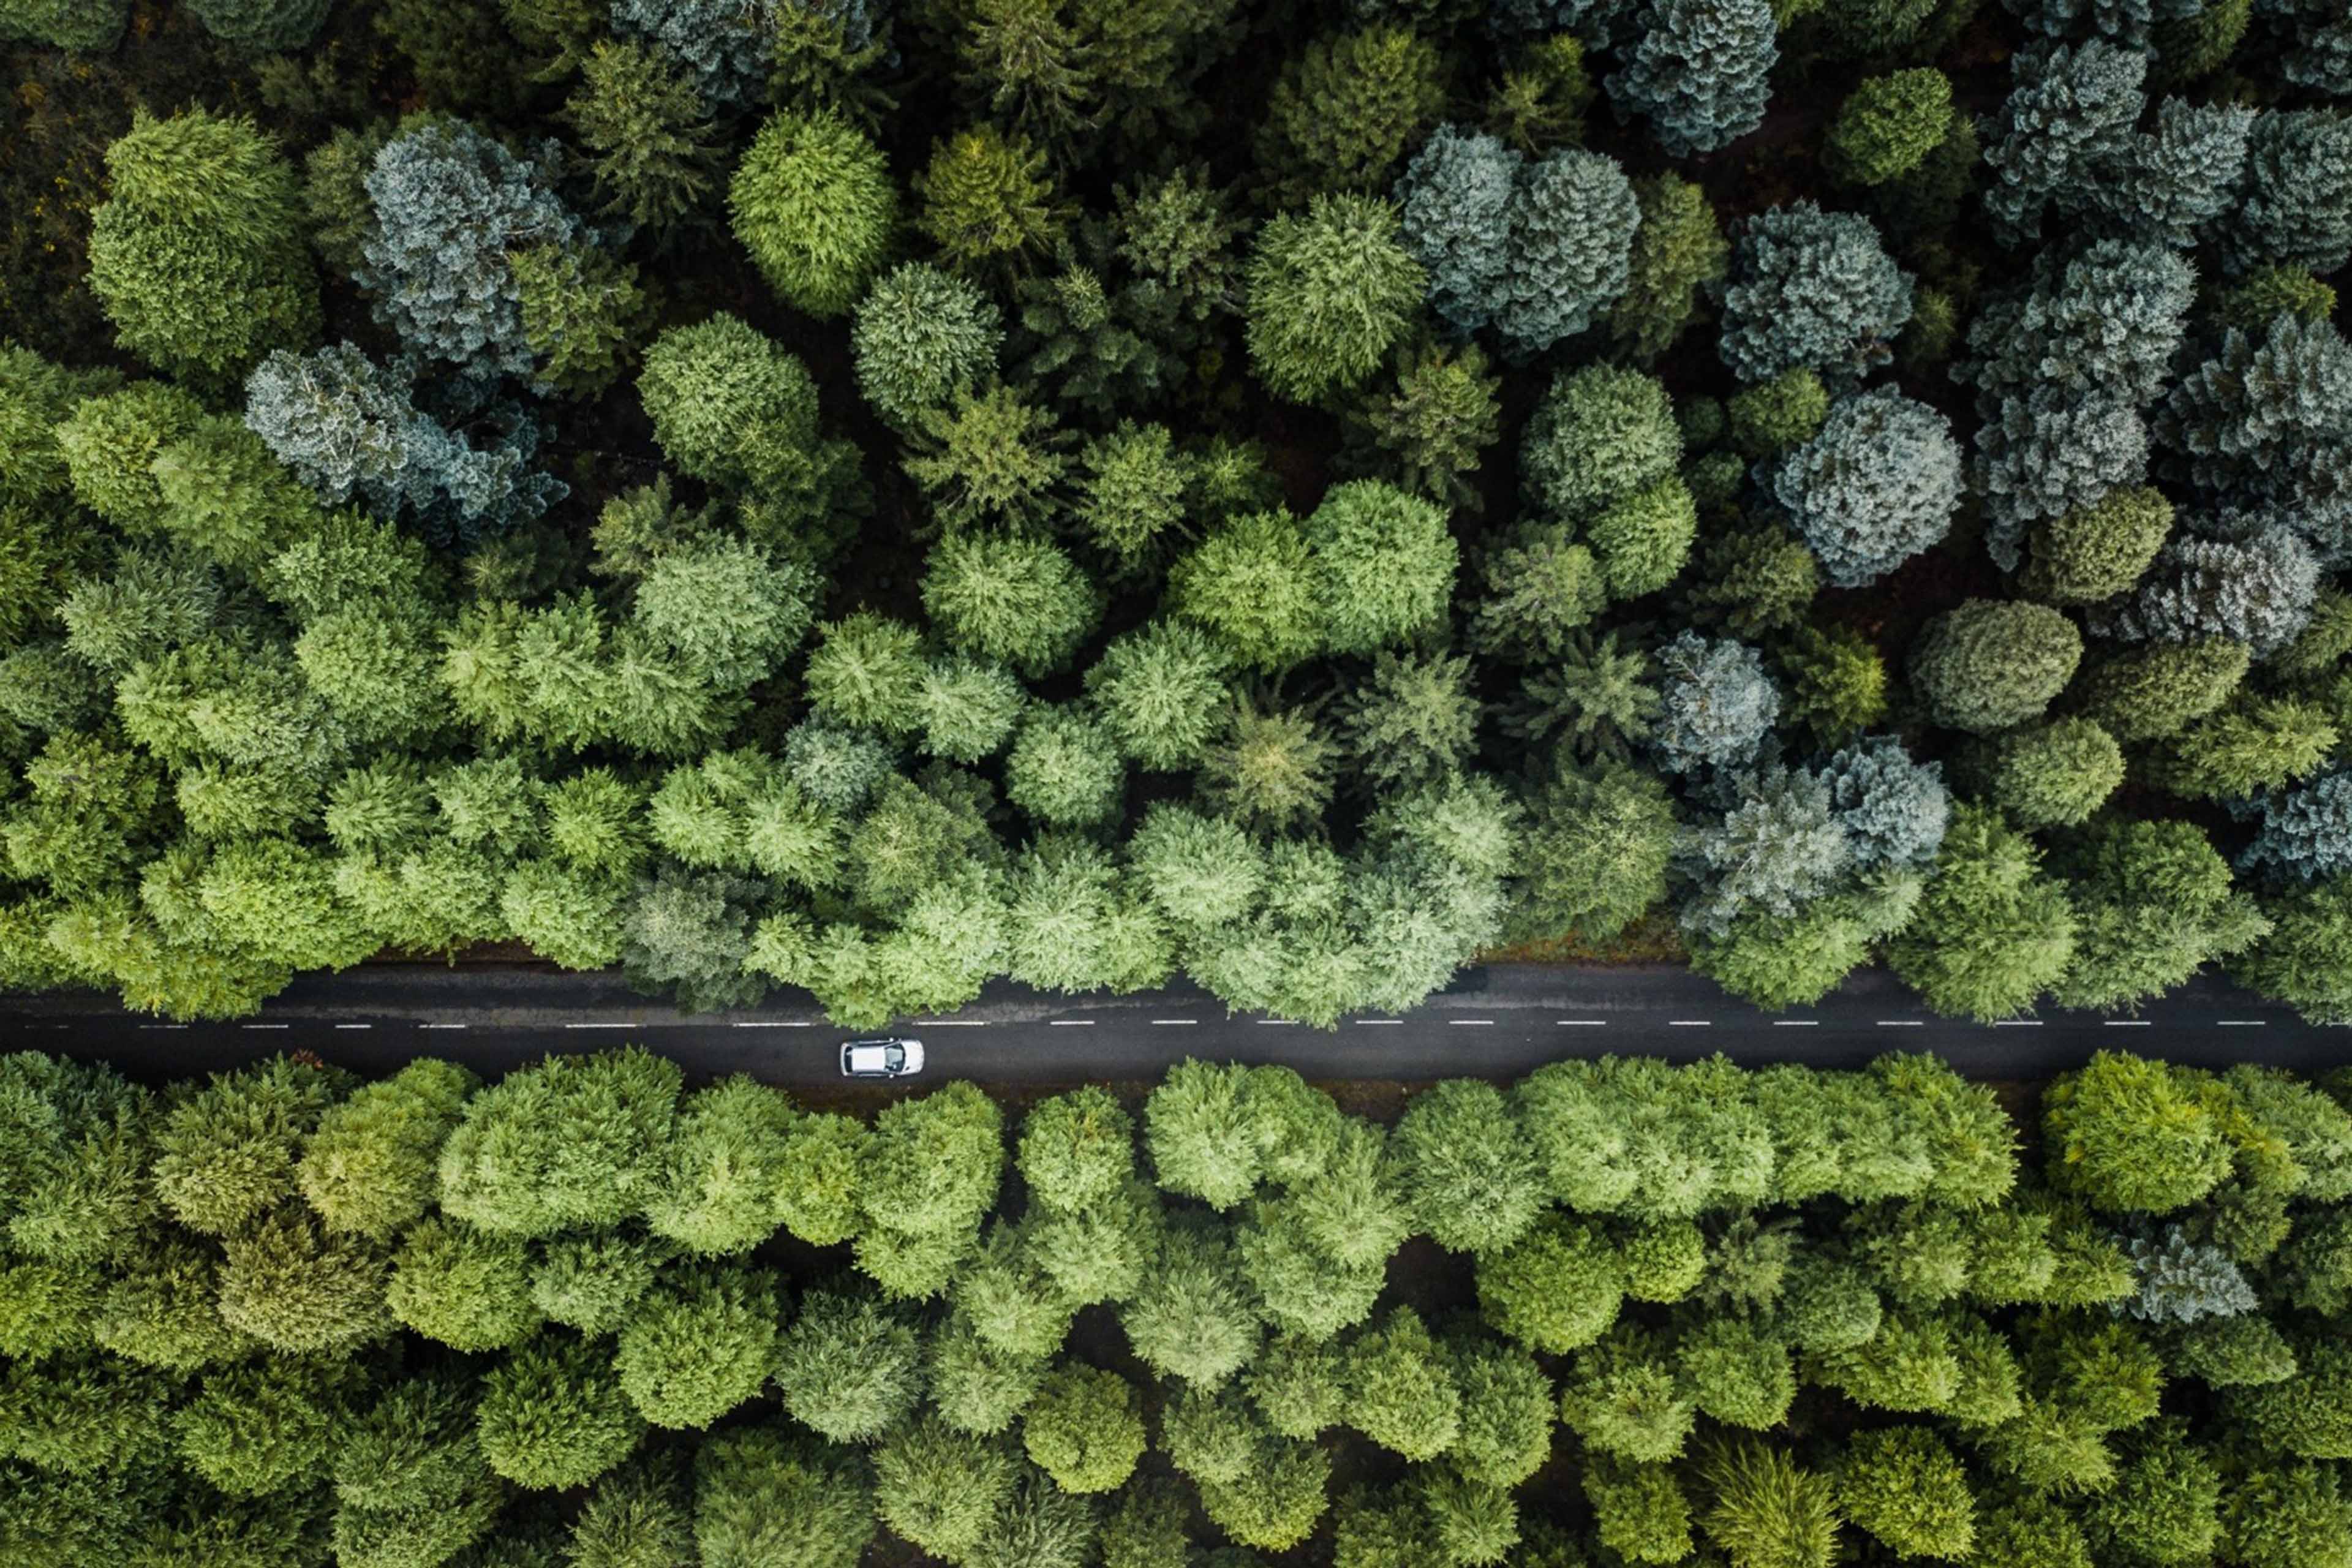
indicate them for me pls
(196, 252)
(1697, 72)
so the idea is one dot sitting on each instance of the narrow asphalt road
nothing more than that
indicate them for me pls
(1494, 1022)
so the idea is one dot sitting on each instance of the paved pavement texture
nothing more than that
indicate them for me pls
(1497, 1022)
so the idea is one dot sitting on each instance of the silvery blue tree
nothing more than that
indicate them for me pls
(1699, 72)
(1811, 290)
(350, 430)
(1875, 487)
(450, 204)
(1716, 703)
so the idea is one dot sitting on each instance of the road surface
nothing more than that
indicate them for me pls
(1496, 1022)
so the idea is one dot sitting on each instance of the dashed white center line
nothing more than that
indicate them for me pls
(2241, 1022)
(1582, 1023)
(1796, 1023)
(2126, 1023)
(1374, 1022)
(952, 1023)
(440, 1025)
(771, 1024)
(163, 1026)
(600, 1026)
(2017, 1023)
(1690, 1023)
(1165, 1022)
(356, 1026)
(1072, 1023)
(1902, 1023)
(1278, 1023)
(265, 1026)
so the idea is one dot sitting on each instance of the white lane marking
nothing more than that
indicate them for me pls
(2241, 1022)
(1375, 1022)
(265, 1026)
(1796, 1023)
(952, 1023)
(1690, 1023)
(2017, 1023)
(1582, 1023)
(2126, 1023)
(440, 1025)
(1279, 1023)
(1072, 1023)
(356, 1026)
(1469, 1023)
(1167, 1021)
(600, 1026)
(163, 1026)
(1902, 1023)
(771, 1024)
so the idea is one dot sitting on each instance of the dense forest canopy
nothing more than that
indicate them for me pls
(877, 498)
(1618, 1314)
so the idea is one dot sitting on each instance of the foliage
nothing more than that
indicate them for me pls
(1810, 288)
(1330, 292)
(450, 204)
(1696, 72)
(197, 251)
(813, 202)
(1878, 484)
(1993, 663)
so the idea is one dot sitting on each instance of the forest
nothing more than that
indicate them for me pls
(874, 498)
(1620, 1313)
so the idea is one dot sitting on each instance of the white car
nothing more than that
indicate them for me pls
(888, 1058)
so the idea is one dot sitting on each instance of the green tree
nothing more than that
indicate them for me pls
(849, 1366)
(1555, 1290)
(761, 1496)
(2134, 1136)
(1344, 111)
(291, 1286)
(700, 1344)
(2099, 550)
(1467, 1167)
(1888, 125)
(1161, 690)
(1023, 601)
(1766, 1512)
(987, 202)
(727, 1162)
(1904, 1486)
(577, 1142)
(197, 251)
(988, 457)
(921, 336)
(1993, 663)
(2056, 775)
(938, 1490)
(464, 1288)
(225, 1154)
(1598, 847)
(652, 147)
(1400, 1390)
(1992, 931)
(552, 1415)
(1600, 435)
(1383, 563)
(1085, 1429)
(1063, 768)
(1270, 769)
(1678, 249)
(1251, 584)
(1332, 290)
(813, 202)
